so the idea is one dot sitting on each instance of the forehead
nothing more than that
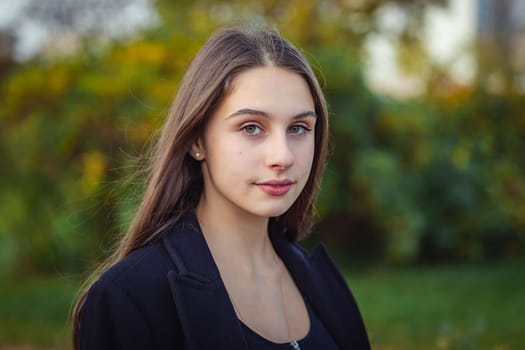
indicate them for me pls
(271, 89)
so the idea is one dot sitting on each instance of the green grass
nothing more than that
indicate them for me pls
(443, 308)
(462, 307)
(35, 313)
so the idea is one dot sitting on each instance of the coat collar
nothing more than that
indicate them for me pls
(206, 313)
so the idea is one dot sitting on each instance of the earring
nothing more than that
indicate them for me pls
(197, 154)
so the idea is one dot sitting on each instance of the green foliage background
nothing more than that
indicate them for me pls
(435, 178)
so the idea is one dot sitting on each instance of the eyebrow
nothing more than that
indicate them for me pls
(255, 112)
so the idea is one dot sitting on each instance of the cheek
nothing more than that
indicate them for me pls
(305, 154)
(227, 156)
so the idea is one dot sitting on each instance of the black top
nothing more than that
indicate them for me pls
(317, 337)
(169, 295)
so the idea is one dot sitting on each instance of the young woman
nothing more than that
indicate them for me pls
(210, 260)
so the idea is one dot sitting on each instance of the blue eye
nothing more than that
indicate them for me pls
(252, 129)
(299, 129)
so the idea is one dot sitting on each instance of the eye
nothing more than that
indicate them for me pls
(252, 129)
(299, 129)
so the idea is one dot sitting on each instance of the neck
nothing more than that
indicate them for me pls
(241, 240)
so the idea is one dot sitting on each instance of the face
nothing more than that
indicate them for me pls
(257, 148)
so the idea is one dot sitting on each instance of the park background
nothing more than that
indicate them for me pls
(423, 201)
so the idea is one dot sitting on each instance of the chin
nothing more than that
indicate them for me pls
(275, 212)
(271, 208)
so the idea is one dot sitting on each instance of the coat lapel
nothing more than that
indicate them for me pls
(325, 289)
(204, 308)
(205, 311)
(310, 282)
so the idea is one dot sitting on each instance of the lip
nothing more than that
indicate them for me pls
(276, 187)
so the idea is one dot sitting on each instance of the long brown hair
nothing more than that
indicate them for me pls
(174, 182)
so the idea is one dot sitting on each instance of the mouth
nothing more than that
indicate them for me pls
(276, 187)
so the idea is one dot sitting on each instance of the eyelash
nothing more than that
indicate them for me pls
(245, 127)
(304, 128)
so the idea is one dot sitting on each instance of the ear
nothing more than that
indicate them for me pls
(197, 150)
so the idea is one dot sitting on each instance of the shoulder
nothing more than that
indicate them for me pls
(320, 255)
(138, 280)
(316, 264)
(144, 264)
(320, 261)
(338, 297)
(318, 258)
(130, 306)
(321, 268)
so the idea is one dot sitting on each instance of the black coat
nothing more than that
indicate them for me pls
(169, 295)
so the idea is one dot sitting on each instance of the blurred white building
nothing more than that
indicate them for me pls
(462, 36)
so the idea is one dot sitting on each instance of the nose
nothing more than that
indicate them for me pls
(279, 153)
